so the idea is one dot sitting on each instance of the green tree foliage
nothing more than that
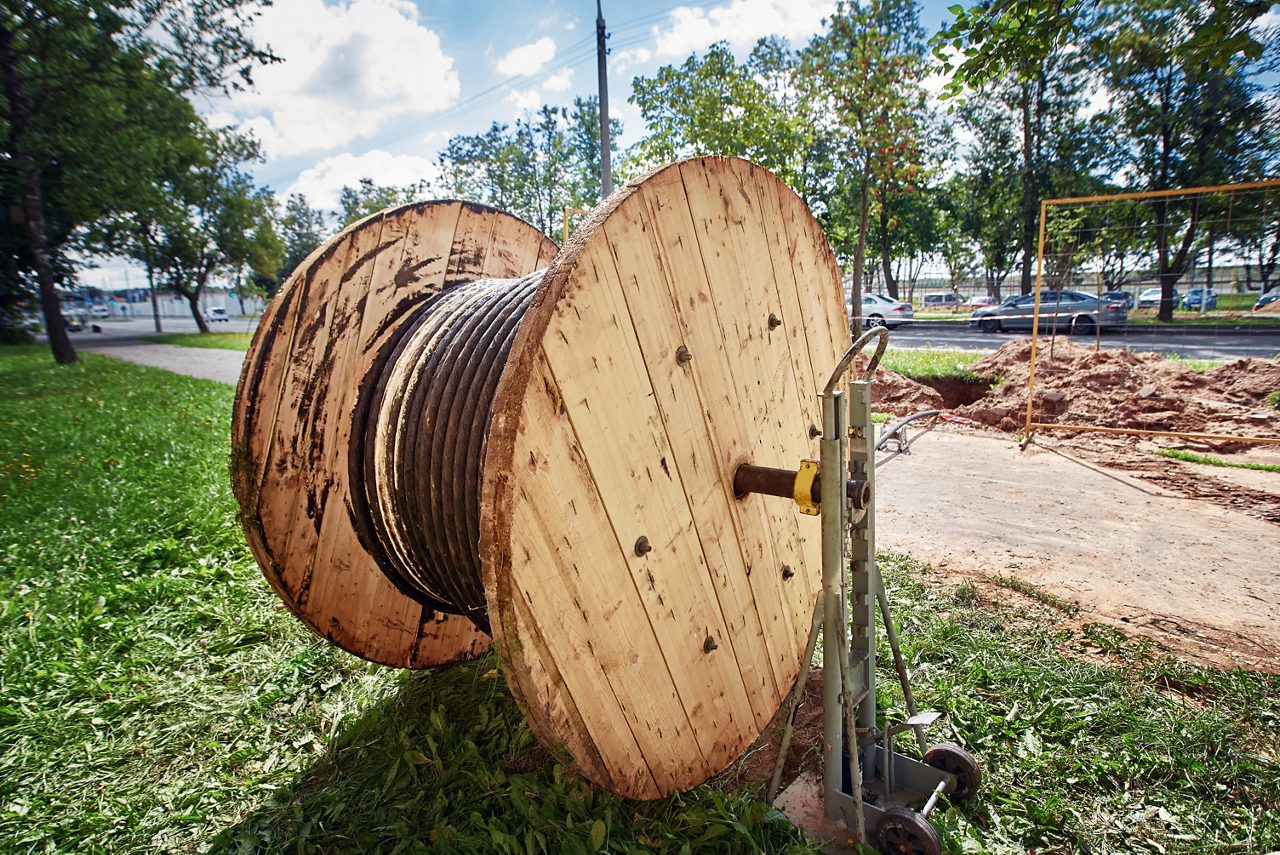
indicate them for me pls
(535, 168)
(302, 228)
(1179, 121)
(356, 203)
(91, 99)
(867, 70)
(204, 219)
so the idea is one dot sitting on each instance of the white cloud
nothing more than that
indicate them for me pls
(627, 58)
(527, 59)
(570, 25)
(322, 183)
(349, 69)
(561, 81)
(740, 22)
(524, 100)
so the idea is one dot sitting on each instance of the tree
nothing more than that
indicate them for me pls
(302, 229)
(90, 88)
(867, 69)
(356, 203)
(545, 162)
(1180, 121)
(205, 219)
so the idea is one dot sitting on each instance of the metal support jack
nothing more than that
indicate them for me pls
(883, 798)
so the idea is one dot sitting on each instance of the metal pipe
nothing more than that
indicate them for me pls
(797, 695)
(833, 631)
(933, 799)
(768, 481)
(899, 664)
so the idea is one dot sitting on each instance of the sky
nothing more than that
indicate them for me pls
(375, 88)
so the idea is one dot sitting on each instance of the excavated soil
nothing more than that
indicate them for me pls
(891, 392)
(1118, 388)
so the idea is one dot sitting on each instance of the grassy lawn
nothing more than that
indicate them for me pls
(218, 340)
(934, 364)
(155, 696)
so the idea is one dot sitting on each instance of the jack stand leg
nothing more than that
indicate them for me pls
(899, 663)
(796, 695)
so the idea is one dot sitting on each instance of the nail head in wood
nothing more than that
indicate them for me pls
(683, 356)
(709, 644)
(774, 321)
(642, 546)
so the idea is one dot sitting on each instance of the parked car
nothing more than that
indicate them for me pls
(881, 311)
(941, 300)
(982, 300)
(1121, 296)
(1272, 296)
(1195, 295)
(216, 314)
(99, 312)
(1150, 298)
(1065, 311)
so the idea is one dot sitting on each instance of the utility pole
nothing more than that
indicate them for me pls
(606, 171)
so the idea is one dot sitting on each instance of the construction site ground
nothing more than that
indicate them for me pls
(1196, 576)
(1185, 555)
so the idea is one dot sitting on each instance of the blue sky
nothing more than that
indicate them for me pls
(375, 87)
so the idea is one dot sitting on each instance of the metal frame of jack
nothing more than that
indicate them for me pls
(866, 784)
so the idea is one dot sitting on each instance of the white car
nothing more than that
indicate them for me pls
(881, 311)
(218, 314)
(99, 312)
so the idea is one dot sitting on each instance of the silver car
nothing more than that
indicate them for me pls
(881, 311)
(1065, 311)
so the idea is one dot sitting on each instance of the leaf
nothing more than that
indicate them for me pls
(598, 832)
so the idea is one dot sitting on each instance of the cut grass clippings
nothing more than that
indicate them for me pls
(216, 340)
(1192, 457)
(156, 696)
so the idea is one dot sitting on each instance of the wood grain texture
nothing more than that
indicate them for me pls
(655, 671)
(291, 431)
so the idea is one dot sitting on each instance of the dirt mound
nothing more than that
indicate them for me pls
(891, 392)
(1119, 388)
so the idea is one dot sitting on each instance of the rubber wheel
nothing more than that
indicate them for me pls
(954, 760)
(905, 832)
(875, 321)
(989, 325)
(1083, 326)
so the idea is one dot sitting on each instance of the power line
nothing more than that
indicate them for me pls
(578, 53)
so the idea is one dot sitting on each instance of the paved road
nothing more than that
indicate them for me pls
(124, 340)
(1197, 345)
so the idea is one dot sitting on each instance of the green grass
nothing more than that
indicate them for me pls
(1274, 399)
(154, 696)
(933, 364)
(1194, 364)
(1182, 317)
(216, 340)
(1205, 459)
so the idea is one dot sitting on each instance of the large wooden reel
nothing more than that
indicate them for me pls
(649, 621)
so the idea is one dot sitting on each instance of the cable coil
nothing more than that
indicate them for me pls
(417, 487)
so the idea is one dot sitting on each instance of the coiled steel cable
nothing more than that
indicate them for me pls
(418, 441)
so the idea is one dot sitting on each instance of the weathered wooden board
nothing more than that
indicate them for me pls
(298, 391)
(655, 670)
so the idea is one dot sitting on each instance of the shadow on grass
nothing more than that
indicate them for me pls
(448, 765)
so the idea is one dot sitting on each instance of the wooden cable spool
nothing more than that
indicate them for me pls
(549, 455)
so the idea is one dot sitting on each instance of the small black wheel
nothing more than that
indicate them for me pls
(1083, 326)
(989, 325)
(905, 832)
(954, 760)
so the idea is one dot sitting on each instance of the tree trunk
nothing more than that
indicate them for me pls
(19, 116)
(55, 326)
(890, 281)
(193, 300)
(1029, 207)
